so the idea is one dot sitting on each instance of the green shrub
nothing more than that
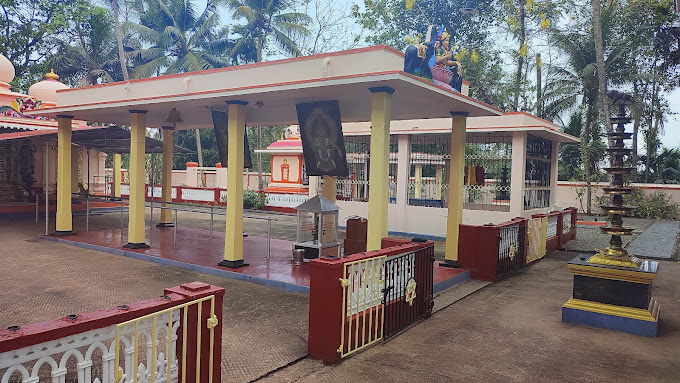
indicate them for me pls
(656, 205)
(253, 200)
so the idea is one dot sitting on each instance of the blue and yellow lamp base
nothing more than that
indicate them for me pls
(625, 319)
(613, 297)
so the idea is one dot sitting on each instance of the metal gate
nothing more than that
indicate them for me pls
(407, 289)
(511, 249)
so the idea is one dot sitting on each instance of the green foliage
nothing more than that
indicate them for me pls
(92, 57)
(655, 205)
(253, 200)
(28, 31)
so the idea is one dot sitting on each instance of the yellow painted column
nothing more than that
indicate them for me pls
(233, 239)
(116, 176)
(330, 188)
(166, 214)
(64, 225)
(457, 173)
(419, 181)
(378, 193)
(136, 220)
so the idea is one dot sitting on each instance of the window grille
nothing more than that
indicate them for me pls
(537, 173)
(488, 160)
(428, 176)
(355, 186)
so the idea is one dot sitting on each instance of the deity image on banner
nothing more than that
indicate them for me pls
(220, 124)
(322, 141)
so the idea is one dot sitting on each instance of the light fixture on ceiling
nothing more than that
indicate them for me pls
(174, 118)
(469, 8)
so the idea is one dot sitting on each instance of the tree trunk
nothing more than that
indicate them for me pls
(599, 58)
(260, 181)
(199, 151)
(119, 39)
(539, 90)
(585, 154)
(520, 60)
(636, 129)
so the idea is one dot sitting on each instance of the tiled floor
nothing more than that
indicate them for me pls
(194, 247)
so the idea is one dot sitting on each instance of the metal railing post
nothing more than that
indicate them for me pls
(121, 216)
(37, 206)
(269, 237)
(212, 208)
(174, 233)
(87, 213)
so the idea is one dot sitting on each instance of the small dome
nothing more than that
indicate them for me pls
(46, 90)
(6, 70)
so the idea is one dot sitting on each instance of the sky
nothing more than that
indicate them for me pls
(671, 136)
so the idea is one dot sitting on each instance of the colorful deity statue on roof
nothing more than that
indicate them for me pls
(434, 59)
(446, 69)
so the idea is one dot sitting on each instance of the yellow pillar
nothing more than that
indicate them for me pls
(378, 193)
(233, 239)
(64, 225)
(166, 214)
(136, 220)
(419, 181)
(116, 176)
(330, 188)
(457, 173)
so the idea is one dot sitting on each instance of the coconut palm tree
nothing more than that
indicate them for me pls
(268, 19)
(92, 57)
(176, 38)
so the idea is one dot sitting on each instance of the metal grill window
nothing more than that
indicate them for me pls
(488, 159)
(428, 176)
(355, 186)
(537, 173)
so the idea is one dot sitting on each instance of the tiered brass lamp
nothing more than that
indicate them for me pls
(615, 254)
(612, 289)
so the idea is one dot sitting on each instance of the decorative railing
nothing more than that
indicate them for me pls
(159, 340)
(359, 300)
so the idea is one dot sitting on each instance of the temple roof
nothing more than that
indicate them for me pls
(272, 90)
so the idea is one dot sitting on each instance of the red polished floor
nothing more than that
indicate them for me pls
(194, 247)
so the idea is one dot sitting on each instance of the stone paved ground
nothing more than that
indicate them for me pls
(41, 280)
(511, 332)
(658, 241)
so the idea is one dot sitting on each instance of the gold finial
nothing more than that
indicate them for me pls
(52, 75)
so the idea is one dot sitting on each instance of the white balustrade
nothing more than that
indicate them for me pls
(29, 364)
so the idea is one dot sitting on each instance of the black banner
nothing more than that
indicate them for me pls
(221, 123)
(322, 143)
